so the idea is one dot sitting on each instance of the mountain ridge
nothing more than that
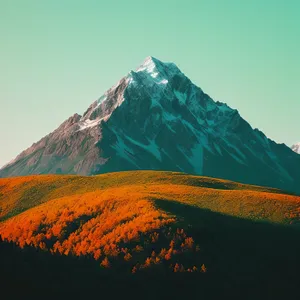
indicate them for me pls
(156, 118)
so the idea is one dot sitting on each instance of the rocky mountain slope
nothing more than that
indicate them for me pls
(156, 118)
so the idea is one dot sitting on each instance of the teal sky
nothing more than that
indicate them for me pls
(58, 56)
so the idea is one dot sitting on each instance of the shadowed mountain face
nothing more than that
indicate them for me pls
(156, 118)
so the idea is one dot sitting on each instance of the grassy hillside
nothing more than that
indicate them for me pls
(21, 193)
(243, 239)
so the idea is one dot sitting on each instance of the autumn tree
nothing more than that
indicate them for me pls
(147, 262)
(127, 256)
(105, 263)
(97, 254)
(178, 268)
(203, 269)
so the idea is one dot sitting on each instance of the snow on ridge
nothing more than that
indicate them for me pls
(154, 74)
(148, 65)
(164, 81)
(297, 144)
(156, 68)
(89, 123)
(101, 99)
(85, 121)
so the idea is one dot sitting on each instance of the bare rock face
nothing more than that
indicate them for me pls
(156, 118)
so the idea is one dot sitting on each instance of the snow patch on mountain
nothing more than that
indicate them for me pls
(89, 123)
(148, 65)
(157, 70)
(101, 100)
(164, 81)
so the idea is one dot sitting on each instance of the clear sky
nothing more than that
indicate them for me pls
(58, 56)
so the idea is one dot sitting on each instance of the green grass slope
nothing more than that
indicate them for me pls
(21, 193)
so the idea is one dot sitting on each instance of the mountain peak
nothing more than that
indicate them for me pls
(149, 65)
(296, 148)
(158, 69)
(156, 118)
(150, 60)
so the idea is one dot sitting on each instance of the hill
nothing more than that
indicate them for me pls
(18, 194)
(242, 238)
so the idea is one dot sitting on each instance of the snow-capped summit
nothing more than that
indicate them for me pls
(156, 118)
(148, 65)
(296, 148)
(155, 67)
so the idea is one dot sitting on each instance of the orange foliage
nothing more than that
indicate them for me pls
(104, 220)
(178, 268)
(127, 256)
(168, 256)
(203, 269)
(163, 252)
(97, 254)
(147, 262)
(157, 260)
(96, 216)
(154, 237)
(105, 263)
(199, 190)
(188, 243)
(172, 243)
(138, 248)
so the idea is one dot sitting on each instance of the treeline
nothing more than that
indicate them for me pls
(31, 273)
(204, 255)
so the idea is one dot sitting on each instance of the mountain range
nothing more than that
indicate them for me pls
(156, 118)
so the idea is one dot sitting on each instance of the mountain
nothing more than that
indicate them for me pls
(296, 148)
(156, 118)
